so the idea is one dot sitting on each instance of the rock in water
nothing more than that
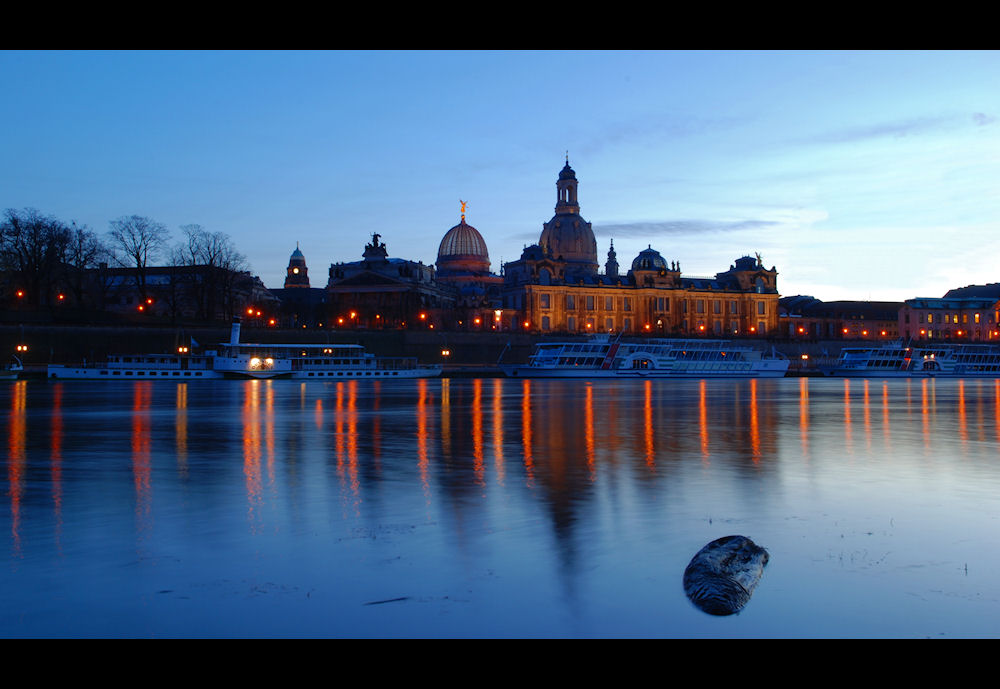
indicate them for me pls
(722, 576)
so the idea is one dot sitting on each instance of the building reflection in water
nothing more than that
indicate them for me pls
(181, 429)
(478, 467)
(804, 416)
(56, 458)
(252, 449)
(498, 429)
(886, 435)
(526, 435)
(588, 431)
(648, 427)
(17, 434)
(963, 429)
(142, 393)
(423, 461)
(848, 436)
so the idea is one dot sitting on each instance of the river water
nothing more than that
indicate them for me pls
(494, 507)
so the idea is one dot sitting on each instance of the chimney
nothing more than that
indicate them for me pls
(234, 334)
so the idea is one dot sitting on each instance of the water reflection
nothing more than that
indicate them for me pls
(16, 459)
(405, 488)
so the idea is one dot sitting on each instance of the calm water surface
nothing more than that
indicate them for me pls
(473, 507)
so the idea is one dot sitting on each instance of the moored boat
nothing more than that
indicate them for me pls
(236, 359)
(899, 360)
(12, 369)
(602, 357)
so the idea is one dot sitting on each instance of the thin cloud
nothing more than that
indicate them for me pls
(880, 130)
(655, 128)
(678, 227)
(982, 119)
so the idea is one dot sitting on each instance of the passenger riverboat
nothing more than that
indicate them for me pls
(12, 369)
(237, 359)
(600, 357)
(898, 360)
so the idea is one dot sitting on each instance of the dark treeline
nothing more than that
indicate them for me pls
(47, 263)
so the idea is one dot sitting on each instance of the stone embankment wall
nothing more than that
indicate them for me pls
(50, 343)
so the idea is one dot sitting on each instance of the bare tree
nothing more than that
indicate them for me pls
(33, 247)
(137, 242)
(84, 252)
(220, 267)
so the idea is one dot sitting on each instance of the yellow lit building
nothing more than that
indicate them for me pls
(555, 286)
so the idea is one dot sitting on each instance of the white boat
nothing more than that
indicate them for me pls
(237, 359)
(600, 357)
(897, 360)
(12, 369)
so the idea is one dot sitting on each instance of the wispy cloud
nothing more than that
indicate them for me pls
(878, 130)
(982, 119)
(678, 227)
(657, 128)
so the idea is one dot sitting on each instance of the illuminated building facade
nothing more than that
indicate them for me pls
(383, 292)
(972, 319)
(805, 317)
(555, 286)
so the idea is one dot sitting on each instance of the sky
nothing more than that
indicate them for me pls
(857, 175)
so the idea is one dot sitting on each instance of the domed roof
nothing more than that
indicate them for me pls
(297, 256)
(463, 240)
(649, 259)
(567, 172)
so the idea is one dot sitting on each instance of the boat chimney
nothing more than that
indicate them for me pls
(234, 334)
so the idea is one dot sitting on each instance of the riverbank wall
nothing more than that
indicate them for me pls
(459, 351)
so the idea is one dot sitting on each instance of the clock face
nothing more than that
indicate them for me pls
(295, 270)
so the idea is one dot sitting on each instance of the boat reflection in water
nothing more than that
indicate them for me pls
(496, 507)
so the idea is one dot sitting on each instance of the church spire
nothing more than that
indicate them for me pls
(566, 201)
(611, 267)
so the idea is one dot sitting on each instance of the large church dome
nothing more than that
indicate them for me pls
(463, 249)
(568, 236)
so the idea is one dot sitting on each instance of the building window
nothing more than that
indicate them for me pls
(717, 327)
(930, 318)
(590, 302)
(717, 306)
(545, 323)
(976, 318)
(732, 307)
(701, 306)
(609, 303)
(761, 308)
(571, 323)
(609, 324)
(628, 303)
(627, 325)
(761, 327)
(570, 302)
(543, 300)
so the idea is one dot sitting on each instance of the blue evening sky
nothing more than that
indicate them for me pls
(858, 175)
